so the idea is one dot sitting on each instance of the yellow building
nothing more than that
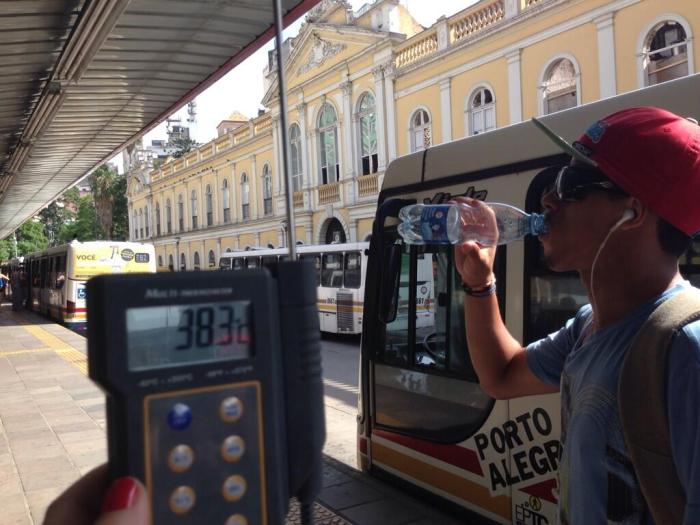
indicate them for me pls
(366, 87)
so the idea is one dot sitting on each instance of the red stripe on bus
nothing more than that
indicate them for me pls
(454, 455)
(63, 309)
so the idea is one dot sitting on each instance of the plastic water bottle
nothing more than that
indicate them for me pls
(458, 223)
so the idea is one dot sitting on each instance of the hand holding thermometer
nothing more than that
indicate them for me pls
(214, 389)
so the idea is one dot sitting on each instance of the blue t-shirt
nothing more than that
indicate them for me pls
(596, 479)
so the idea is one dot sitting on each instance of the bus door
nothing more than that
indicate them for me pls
(331, 282)
(349, 299)
(429, 411)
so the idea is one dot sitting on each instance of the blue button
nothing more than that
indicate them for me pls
(180, 416)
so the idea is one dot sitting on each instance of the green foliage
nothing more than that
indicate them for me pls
(182, 146)
(54, 218)
(86, 227)
(120, 210)
(31, 238)
(6, 249)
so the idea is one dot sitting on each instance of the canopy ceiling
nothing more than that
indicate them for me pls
(83, 78)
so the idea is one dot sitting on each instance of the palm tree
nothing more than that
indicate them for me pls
(101, 182)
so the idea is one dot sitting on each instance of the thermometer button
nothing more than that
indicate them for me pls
(237, 519)
(234, 488)
(180, 416)
(232, 448)
(231, 410)
(180, 458)
(182, 500)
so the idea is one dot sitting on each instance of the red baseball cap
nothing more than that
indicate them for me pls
(650, 153)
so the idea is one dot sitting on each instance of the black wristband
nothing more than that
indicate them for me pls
(487, 290)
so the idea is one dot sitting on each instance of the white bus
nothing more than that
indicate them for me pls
(423, 419)
(340, 277)
(57, 276)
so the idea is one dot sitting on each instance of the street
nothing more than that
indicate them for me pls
(341, 356)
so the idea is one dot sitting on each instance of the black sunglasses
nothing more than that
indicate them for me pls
(575, 183)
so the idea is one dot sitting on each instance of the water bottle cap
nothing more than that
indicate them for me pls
(538, 224)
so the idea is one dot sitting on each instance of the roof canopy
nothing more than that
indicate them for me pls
(83, 78)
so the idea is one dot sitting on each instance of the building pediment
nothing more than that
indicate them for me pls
(319, 47)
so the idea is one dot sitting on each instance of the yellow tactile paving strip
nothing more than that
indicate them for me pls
(53, 343)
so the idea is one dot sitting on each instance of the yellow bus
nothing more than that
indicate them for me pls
(56, 277)
(423, 419)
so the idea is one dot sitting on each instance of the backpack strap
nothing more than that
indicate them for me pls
(642, 405)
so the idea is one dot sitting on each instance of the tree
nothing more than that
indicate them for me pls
(120, 211)
(86, 227)
(54, 217)
(31, 238)
(182, 145)
(101, 182)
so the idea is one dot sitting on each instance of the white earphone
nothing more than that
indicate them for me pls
(628, 215)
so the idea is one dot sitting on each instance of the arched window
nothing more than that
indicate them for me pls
(481, 111)
(295, 157)
(225, 201)
(665, 53)
(267, 189)
(559, 86)
(196, 264)
(367, 120)
(210, 206)
(147, 221)
(171, 266)
(328, 144)
(168, 216)
(181, 213)
(195, 209)
(141, 223)
(245, 197)
(421, 131)
(157, 219)
(183, 262)
(160, 260)
(212, 259)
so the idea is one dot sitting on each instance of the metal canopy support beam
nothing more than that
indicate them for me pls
(282, 86)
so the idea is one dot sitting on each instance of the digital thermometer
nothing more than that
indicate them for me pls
(214, 389)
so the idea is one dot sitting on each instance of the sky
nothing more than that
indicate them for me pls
(246, 80)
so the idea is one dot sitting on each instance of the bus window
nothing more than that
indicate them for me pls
(317, 264)
(690, 264)
(60, 271)
(353, 270)
(269, 261)
(252, 262)
(225, 263)
(331, 270)
(238, 264)
(554, 298)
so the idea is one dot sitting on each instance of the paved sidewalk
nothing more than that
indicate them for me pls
(52, 430)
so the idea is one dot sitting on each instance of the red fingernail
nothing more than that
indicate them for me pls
(121, 495)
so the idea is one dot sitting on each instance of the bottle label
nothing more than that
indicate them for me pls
(434, 224)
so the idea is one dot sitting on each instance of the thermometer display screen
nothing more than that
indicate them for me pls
(185, 334)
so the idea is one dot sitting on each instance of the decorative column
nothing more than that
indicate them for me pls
(277, 154)
(202, 211)
(389, 74)
(350, 158)
(446, 110)
(218, 214)
(606, 55)
(218, 251)
(253, 195)
(130, 217)
(305, 166)
(378, 73)
(514, 87)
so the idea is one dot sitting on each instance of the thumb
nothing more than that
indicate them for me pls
(126, 503)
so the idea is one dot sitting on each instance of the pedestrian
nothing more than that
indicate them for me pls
(621, 214)
(16, 289)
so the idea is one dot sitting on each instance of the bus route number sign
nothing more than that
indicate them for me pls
(142, 257)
